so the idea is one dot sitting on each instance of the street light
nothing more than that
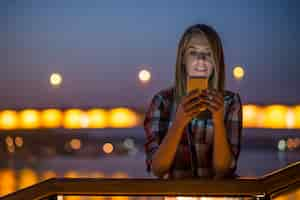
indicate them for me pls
(55, 79)
(238, 72)
(144, 76)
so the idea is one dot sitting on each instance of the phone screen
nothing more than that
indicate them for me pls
(194, 82)
(201, 83)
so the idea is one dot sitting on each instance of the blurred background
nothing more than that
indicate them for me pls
(76, 79)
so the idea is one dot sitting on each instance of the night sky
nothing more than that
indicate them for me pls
(99, 47)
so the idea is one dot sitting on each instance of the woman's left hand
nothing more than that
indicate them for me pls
(214, 101)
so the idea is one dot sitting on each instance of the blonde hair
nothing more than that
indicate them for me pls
(217, 78)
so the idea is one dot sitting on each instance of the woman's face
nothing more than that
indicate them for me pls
(198, 57)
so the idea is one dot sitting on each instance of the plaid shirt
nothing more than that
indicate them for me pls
(196, 144)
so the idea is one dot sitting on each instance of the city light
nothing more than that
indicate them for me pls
(282, 145)
(55, 79)
(29, 119)
(9, 141)
(8, 120)
(71, 174)
(290, 118)
(73, 118)
(123, 118)
(108, 148)
(144, 76)
(254, 116)
(251, 116)
(48, 174)
(27, 177)
(51, 118)
(296, 112)
(274, 116)
(75, 144)
(119, 174)
(8, 181)
(19, 141)
(238, 72)
(98, 118)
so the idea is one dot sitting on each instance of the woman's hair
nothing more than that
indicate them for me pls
(217, 78)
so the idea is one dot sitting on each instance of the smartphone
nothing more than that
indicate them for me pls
(196, 82)
(201, 83)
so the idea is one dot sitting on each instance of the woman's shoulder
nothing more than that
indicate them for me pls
(163, 99)
(230, 96)
(165, 94)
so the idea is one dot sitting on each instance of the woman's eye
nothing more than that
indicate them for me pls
(193, 53)
(208, 54)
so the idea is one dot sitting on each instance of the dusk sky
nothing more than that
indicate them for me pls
(100, 46)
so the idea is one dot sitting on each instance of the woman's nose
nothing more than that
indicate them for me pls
(201, 56)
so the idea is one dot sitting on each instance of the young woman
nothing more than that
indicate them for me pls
(178, 143)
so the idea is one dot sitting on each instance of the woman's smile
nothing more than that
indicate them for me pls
(201, 69)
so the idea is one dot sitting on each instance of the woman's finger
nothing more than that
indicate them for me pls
(215, 93)
(198, 108)
(190, 104)
(213, 98)
(192, 95)
(213, 103)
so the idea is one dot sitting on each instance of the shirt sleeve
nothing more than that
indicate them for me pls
(155, 125)
(233, 124)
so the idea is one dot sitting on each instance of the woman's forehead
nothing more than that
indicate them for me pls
(198, 40)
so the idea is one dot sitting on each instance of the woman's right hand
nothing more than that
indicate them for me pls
(189, 107)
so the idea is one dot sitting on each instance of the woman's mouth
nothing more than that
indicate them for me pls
(201, 69)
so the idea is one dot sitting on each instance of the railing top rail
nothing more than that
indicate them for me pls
(242, 186)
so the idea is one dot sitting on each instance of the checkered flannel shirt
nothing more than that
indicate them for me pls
(158, 119)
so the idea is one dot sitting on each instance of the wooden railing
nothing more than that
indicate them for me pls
(264, 187)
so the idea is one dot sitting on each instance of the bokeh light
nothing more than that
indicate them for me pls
(8, 120)
(75, 144)
(51, 118)
(238, 72)
(48, 174)
(251, 116)
(29, 119)
(123, 118)
(144, 76)
(72, 118)
(274, 116)
(107, 148)
(19, 141)
(296, 112)
(27, 178)
(290, 118)
(98, 118)
(9, 141)
(55, 79)
(282, 145)
(8, 181)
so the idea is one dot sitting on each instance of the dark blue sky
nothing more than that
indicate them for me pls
(99, 47)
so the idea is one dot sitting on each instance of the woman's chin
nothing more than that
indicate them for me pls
(200, 74)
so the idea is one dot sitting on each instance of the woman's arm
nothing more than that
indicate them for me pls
(227, 132)
(164, 156)
(222, 156)
(160, 156)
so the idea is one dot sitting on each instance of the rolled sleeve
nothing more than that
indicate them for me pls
(155, 126)
(233, 123)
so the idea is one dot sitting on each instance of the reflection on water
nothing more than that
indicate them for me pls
(110, 154)
(13, 180)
